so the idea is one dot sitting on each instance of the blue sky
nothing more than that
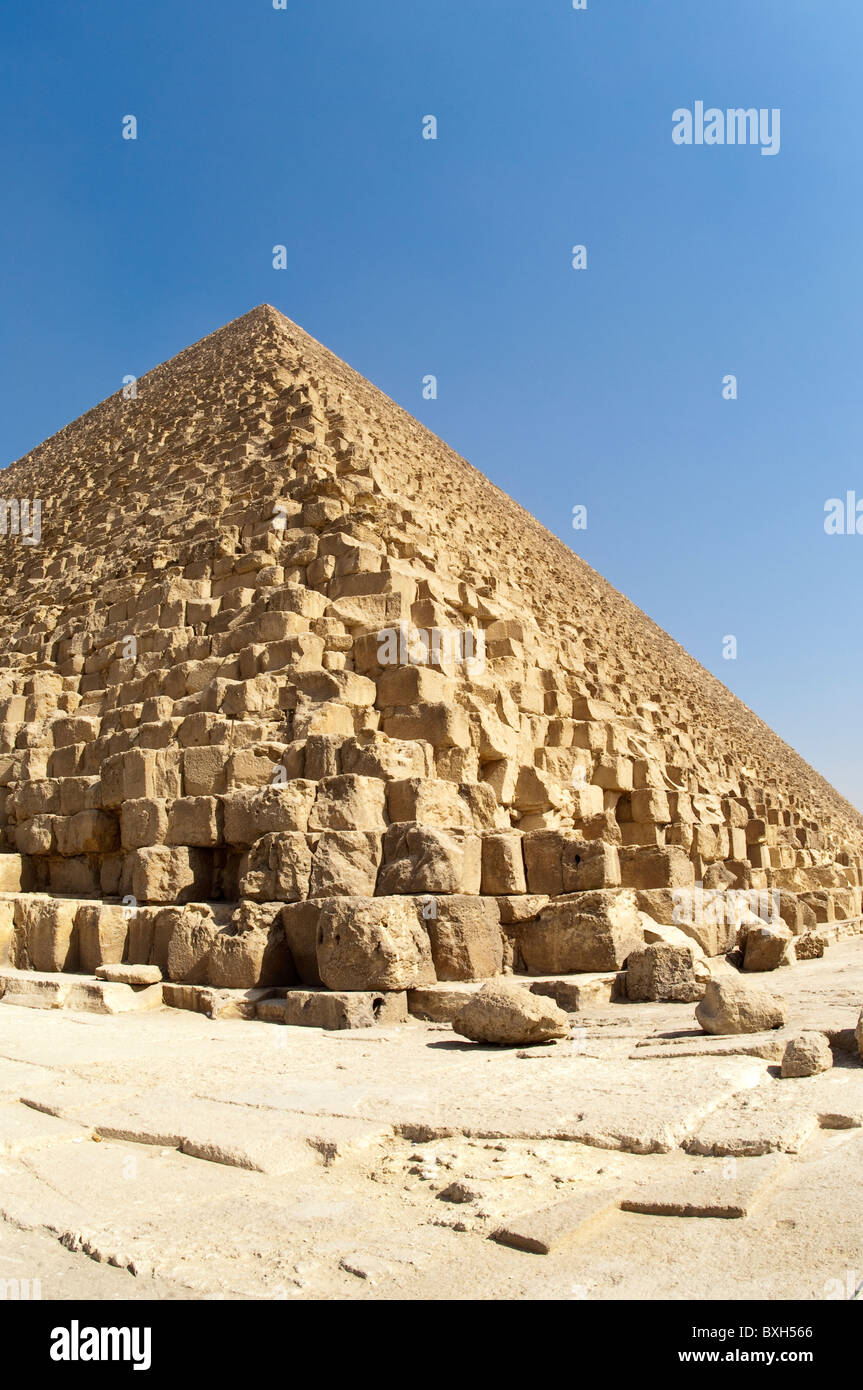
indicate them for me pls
(600, 387)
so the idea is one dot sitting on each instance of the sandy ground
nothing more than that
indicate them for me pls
(167, 1155)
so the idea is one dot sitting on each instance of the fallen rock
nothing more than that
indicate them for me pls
(732, 1005)
(503, 1012)
(766, 948)
(459, 1191)
(858, 1035)
(660, 971)
(673, 936)
(130, 974)
(806, 1055)
(809, 946)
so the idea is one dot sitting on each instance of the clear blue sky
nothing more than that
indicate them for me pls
(409, 257)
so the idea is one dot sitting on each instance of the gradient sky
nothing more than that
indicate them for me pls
(406, 257)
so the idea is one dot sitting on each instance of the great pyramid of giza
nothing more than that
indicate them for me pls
(292, 697)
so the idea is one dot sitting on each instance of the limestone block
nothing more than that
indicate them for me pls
(428, 801)
(593, 931)
(482, 804)
(165, 874)
(497, 739)
(300, 925)
(543, 852)
(277, 868)
(374, 754)
(182, 941)
(652, 867)
(426, 859)
(103, 930)
(47, 936)
(765, 948)
(589, 864)
(508, 1014)
(35, 798)
(143, 822)
(660, 971)
(806, 1055)
(77, 876)
(249, 814)
(90, 832)
(649, 804)
(613, 773)
(80, 794)
(141, 772)
(412, 685)
(338, 1010)
(441, 725)
(514, 909)
(735, 1005)
(372, 943)
(205, 770)
(35, 836)
(502, 777)
(135, 976)
(252, 952)
(503, 864)
(345, 863)
(323, 756)
(711, 842)
(809, 946)
(253, 766)
(7, 933)
(465, 936)
(195, 820)
(349, 802)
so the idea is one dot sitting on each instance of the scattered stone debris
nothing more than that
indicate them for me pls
(734, 1005)
(662, 972)
(806, 1055)
(507, 1013)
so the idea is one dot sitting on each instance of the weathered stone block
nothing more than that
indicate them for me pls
(662, 972)
(277, 868)
(89, 832)
(503, 864)
(253, 951)
(372, 943)
(652, 866)
(163, 874)
(141, 772)
(345, 863)
(47, 936)
(195, 820)
(584, 931)
(283, 806)
(465, 936)
(143, 822)
(425, 859)
(429, 801)
(103, 929)
(349, 802)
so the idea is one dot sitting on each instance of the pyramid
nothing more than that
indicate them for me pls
(293, 699)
